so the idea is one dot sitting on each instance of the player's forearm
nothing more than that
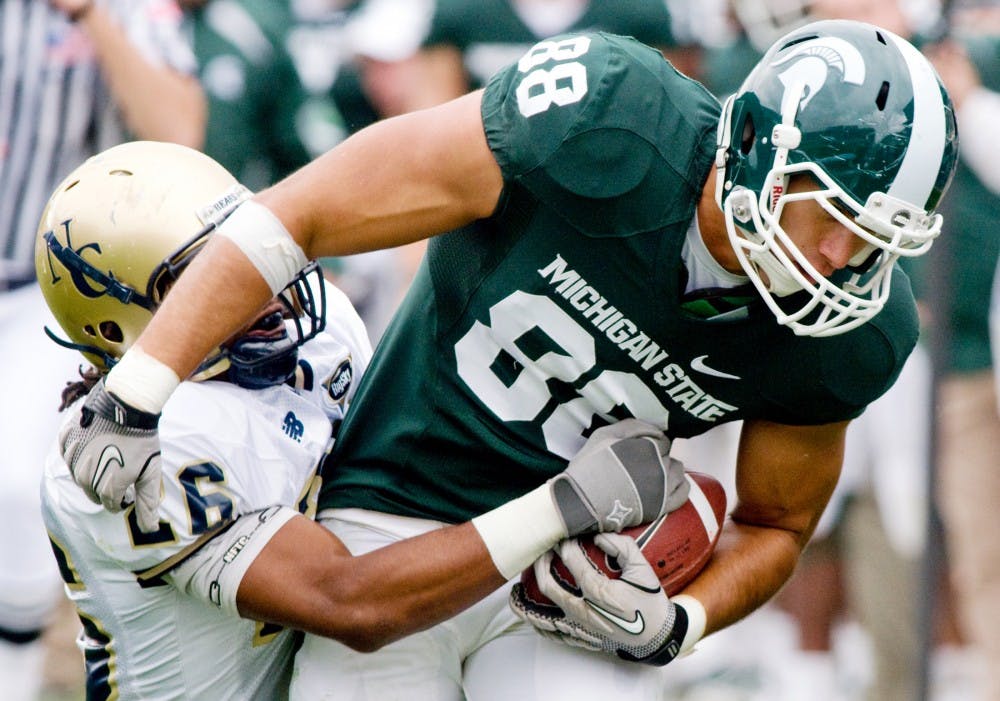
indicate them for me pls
(749, 566)
(392, 184)
(374, 599)
(785, 475)
(399, 590)
(371, 600)
(157, 102)
(411, 585)
(203, 309)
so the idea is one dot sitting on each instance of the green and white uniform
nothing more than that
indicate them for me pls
(562, 312)
(526, 331)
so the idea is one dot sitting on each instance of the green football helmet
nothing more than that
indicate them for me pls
(862, 113)
(117, 233)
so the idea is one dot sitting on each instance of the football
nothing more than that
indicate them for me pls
(678, 545)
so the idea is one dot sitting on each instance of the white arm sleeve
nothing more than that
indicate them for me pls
(213, 572)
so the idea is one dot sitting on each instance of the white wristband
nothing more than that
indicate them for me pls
(517, 533)
(266, 242)
(142, 381)
(697, 620)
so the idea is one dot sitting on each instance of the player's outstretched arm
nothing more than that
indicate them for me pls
(304, 577)
(398, 181)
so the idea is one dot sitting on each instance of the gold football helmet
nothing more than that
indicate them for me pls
(119, 230)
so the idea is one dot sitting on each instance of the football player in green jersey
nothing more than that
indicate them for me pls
(620, 246)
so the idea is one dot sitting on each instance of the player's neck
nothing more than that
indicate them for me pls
(712, 225)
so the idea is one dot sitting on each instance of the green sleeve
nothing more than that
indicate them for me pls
(556, 126)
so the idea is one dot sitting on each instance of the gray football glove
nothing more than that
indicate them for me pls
(621, 477)
(113, 454)
(630, 617)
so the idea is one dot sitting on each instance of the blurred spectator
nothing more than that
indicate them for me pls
(354, 58)
(469, 40)
(969, 423)
(995, 331)
(356, 52)
(77, 76)
(254, 91)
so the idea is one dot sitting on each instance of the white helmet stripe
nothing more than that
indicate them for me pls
(922, 162)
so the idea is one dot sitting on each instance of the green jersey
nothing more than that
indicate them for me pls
(563, 311)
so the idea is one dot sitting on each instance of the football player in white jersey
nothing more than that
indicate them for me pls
(170, 603)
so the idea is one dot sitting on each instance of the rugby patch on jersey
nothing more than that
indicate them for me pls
(339, 382)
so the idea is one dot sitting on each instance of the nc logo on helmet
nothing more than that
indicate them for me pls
(72, 258)
(810, 64)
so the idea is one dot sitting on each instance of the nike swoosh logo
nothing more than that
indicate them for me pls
(111, 454)
(635, 626)
(699, 365)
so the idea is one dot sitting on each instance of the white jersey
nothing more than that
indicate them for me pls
(226, 452)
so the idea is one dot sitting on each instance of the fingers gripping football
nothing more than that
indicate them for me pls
(629, 617)
(622, 477)
(113, 454)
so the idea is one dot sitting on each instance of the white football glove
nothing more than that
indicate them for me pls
(113, 453)
(621, 477)
(630, 617)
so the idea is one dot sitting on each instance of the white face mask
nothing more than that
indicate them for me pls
(777, 268)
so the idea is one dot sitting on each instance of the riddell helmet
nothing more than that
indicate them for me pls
(119, 230)
(863, 113)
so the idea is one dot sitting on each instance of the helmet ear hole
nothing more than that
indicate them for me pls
(111, 332)
(89, 330)
(749, 135)
(883, 96)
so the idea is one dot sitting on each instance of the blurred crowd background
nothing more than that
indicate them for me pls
(898, 595)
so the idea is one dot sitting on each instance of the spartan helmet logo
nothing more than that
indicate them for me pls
(810, 64)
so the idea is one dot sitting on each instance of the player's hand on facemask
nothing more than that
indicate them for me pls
(113, 453)
(629, 617)
(621, 477)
